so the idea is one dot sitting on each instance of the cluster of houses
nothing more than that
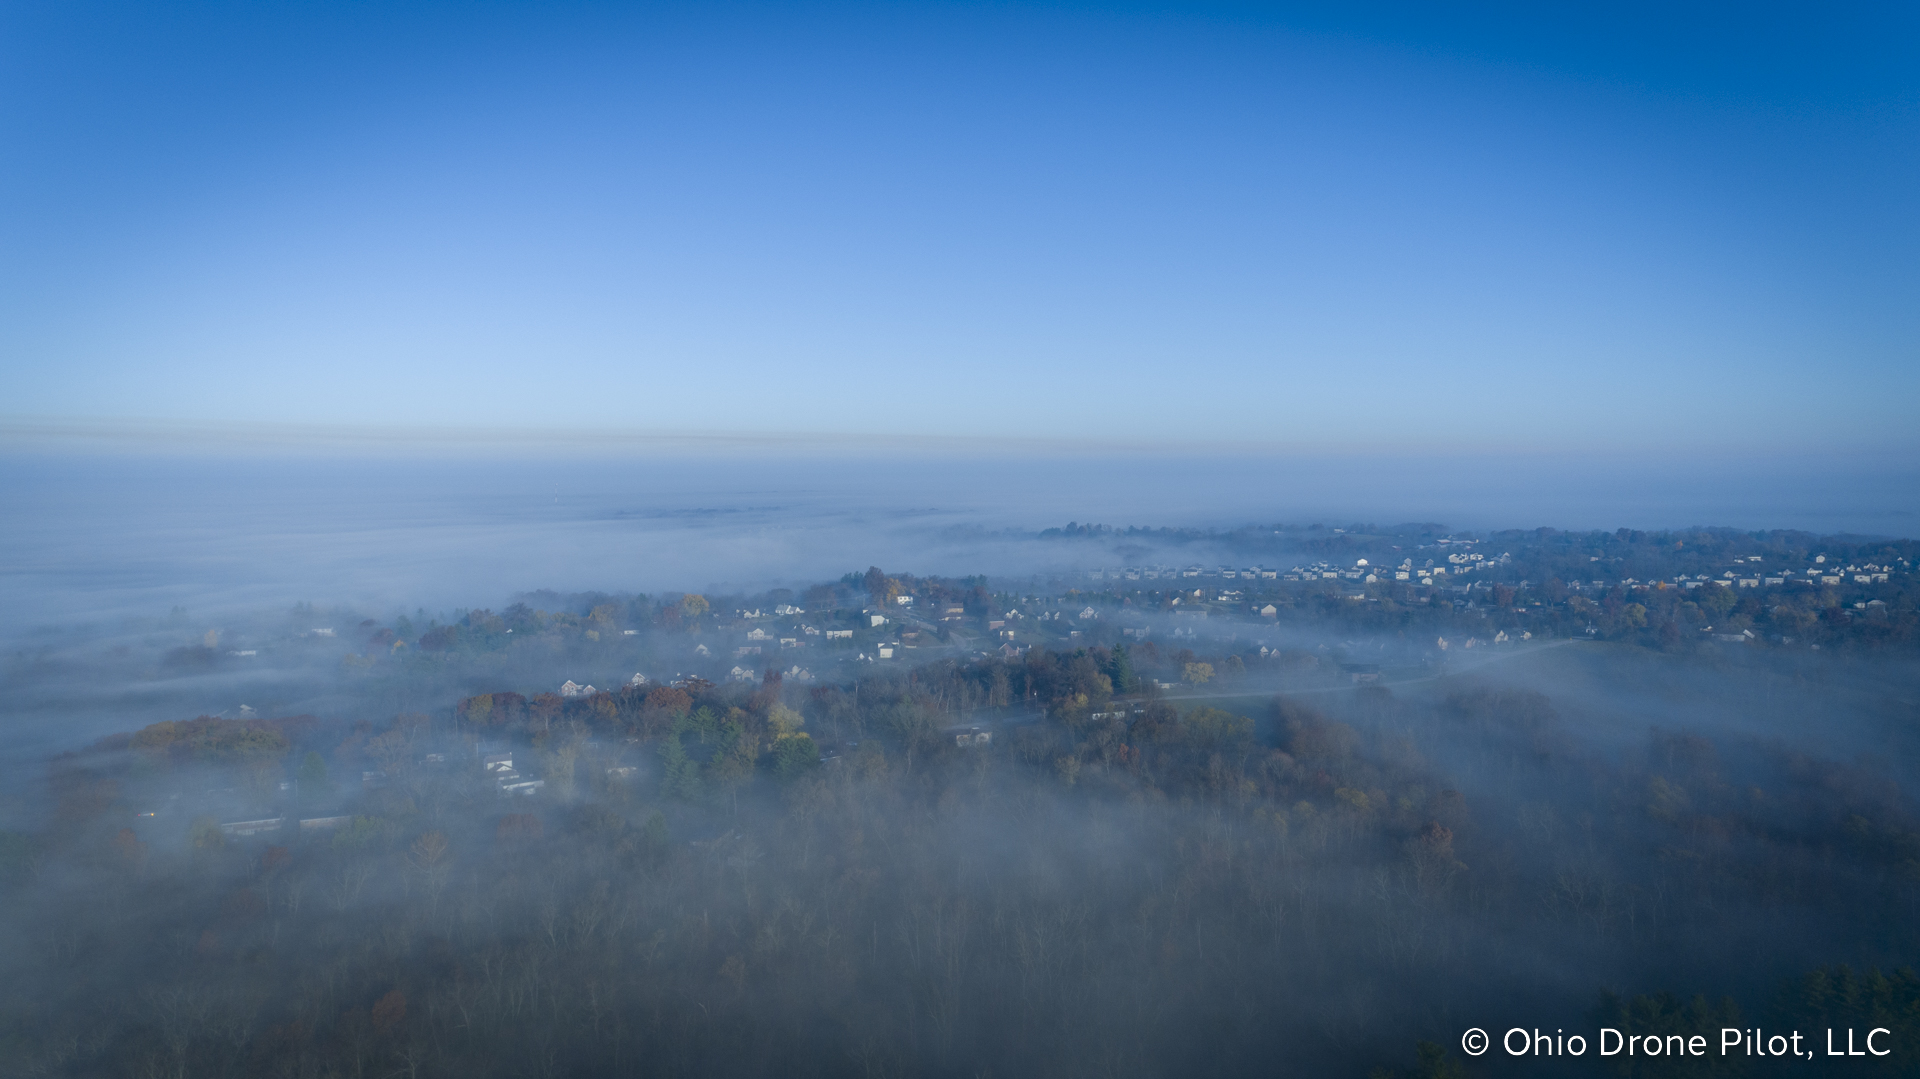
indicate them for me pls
(1746, 575)
(795, 673)
(1158, 573)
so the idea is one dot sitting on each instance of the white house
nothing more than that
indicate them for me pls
(740, 674)
(638, 679)
(573, 689)
(788, 609)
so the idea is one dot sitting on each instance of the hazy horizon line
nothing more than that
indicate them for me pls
(105, 435)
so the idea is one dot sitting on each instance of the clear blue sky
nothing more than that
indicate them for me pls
(1474, 227)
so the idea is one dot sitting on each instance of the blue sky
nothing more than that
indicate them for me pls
(1474, 229)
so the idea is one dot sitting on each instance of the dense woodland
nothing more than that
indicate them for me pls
(1309, 884)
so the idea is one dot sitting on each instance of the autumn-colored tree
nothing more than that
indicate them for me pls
(1434, 864)
(784, 722)
(476, 710)
(543, 709)
(211, 740)
(1197, 673)
(388, 1012)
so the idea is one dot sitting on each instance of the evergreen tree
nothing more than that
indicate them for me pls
(679, 776)
(1120, 671)
(313, 778)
